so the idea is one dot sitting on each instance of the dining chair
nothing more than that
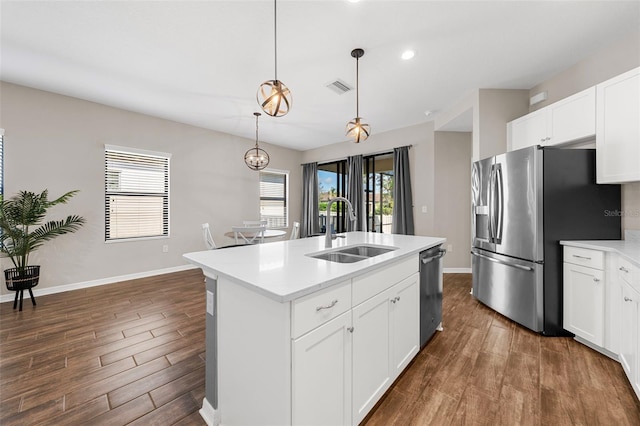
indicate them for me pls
(206, 236)
(249, 234)
(295, 231)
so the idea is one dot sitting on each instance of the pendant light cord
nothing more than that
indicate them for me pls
(357, 88)
(275, 38)
(257, 131)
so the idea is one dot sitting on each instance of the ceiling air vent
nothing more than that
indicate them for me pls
(339, 86)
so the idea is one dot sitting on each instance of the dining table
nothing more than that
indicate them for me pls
(268, 234)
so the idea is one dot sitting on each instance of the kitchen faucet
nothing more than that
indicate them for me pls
(352, 216)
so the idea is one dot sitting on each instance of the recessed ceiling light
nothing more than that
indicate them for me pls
(408, 54)
(354, 1)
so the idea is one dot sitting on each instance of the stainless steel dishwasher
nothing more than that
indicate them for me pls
(430, 292)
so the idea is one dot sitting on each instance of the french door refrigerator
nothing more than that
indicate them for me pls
(523, 203)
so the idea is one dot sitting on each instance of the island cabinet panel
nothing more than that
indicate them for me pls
(372, 283)
(321, 375)
(405, 323)
(254, 357)
(316, 309)
(371, 350)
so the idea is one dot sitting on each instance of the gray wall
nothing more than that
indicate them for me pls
(453, 195)
(56, 142)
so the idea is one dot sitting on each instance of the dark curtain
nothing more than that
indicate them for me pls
(355, 193)
(310, 221)
(402, 200)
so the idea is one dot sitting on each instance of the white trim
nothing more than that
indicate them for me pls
(1, 132)
(102, 281)
(210, 415)
(128, 150)
(456, 270)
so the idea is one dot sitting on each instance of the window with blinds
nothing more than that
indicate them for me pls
(274, 193)
(136, 193)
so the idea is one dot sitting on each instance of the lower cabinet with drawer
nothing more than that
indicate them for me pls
(584, 294)
(628, 278)
(342, 367)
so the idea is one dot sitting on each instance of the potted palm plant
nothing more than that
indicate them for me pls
(23, 231)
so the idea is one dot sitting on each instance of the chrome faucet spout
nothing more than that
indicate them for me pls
(352, 217)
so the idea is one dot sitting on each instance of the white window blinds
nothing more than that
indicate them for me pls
(273, 198)
(136, 194)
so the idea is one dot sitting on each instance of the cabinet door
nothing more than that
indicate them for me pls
(321, 374)
(371, 362)
(618, 129)
(584, 302)
(528, 130)
(628, 331)
(405, 323)
(573, 118)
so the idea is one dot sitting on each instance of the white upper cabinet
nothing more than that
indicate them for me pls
(569, 120)
(618, 129)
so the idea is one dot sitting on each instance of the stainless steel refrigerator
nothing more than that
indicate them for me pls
(523, 203)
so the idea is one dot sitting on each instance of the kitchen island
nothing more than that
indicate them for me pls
(294, 339)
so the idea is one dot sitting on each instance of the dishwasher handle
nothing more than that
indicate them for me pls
(441, 253)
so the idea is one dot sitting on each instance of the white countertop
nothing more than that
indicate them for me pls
(282, 271)
(630, 250)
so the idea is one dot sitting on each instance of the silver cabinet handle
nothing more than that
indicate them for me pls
(596, 280)
(581, 257)
(626, 299)
(542, 140)
(623, 269)
(395, 299)
(350, 329)
(329, 306)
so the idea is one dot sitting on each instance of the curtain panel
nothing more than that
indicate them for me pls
(310, 223)
(402, 199)
(355, 193)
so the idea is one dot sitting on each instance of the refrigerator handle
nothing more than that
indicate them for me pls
(513, 265)
(491, 203)
(500, 214)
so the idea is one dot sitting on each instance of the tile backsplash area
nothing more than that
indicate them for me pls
(631, 207)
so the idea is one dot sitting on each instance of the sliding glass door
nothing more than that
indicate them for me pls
(332, 182)
(378, 170)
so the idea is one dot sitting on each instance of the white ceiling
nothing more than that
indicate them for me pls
(201, 62)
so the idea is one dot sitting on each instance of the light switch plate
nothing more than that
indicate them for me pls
(210, 302)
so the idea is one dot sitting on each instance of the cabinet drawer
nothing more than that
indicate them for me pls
(629, 273)
(368, 285)
(584, 257)
(314, 310)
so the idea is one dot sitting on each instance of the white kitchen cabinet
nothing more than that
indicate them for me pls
(386, 335)
(321, 374)
(584, 294)
(618, 129)
(405, 323)
(569, 120)
(371, 350)
(629, 332)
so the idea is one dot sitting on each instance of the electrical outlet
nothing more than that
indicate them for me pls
(209, 302)
(165, 248)
(450, 248)
(424, 209)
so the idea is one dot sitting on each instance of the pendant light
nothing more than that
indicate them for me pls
(256, 158)
(356, 129)
(273, 96)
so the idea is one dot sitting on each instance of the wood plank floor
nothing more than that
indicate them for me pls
(133, 353)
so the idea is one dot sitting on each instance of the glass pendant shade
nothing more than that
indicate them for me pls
(256, 158)
(274, 98)
(357, 130)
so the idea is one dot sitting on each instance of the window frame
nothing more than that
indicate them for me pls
(285, 173)
(165, 195)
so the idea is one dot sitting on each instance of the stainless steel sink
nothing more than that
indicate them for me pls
(366, 251)
(351, 254)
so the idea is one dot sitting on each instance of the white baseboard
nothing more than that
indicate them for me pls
(457, 270)
(210, 415)
(93, 283)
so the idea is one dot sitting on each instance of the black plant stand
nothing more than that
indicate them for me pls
(21, 280)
